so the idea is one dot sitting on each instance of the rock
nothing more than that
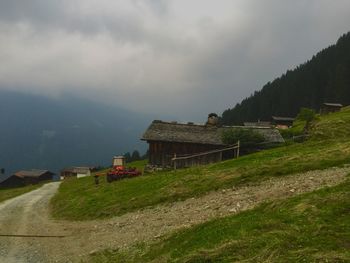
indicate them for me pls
(292, 190)
(232, 210)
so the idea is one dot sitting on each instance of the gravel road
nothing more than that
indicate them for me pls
(29, 215)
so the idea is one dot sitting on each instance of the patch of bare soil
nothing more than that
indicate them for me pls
(28, 214)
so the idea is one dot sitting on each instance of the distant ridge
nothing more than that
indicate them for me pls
(325, 78)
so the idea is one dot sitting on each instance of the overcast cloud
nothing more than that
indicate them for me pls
(183, 58)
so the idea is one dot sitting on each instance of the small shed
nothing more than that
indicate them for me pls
(78, 172)
(166, 139)
(330, 107)
(282, 122)
(118, 161)
(27, 177)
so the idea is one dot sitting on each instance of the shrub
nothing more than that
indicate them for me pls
(247, 137)
(306, 114)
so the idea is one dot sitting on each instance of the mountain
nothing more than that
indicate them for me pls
(39, 132)
(325, 78)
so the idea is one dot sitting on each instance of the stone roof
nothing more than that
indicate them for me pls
(4, 177)
(200, 134)
(31, 173)
(258, 124)
(333, 104)
(277, 118)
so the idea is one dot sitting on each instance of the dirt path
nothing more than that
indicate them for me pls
(28, 214)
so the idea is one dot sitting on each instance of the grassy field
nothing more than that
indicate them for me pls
(313, 227)
(328, 146)
(13, 192)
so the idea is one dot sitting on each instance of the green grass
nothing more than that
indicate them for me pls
(313, 227)
(8, 193)
(328, 146)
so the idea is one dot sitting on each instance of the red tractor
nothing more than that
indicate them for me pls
(120, 172)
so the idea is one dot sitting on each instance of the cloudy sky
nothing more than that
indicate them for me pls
(183, 58)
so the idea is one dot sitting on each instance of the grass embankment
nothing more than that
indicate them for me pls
(328, 146)
(8, 193)
(313, 227)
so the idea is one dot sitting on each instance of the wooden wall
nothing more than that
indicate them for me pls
(160, 153)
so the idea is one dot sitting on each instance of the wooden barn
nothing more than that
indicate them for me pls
(330, 107)
(77, 172)
(27, 177)
(282, 122)
(167, 139)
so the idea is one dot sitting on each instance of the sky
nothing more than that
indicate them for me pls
(182, 58)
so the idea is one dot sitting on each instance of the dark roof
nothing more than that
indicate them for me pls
(4, 177)
(199, 134)
(277, 118)
(32, 173)
(333, 104)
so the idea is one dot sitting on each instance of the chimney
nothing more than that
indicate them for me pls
(213, 119)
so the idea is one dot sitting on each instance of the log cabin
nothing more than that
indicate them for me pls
(165, 139)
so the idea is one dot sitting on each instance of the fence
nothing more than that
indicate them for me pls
(205, 157)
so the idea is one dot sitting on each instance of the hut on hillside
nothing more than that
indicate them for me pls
(27, 177)
(282, 122)
(77, 172)
(166, 139)
(330, 107)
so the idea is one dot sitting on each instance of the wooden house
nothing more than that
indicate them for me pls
(330, 107)
(77, 172)
(282, 122)
(27, 177)
(167, 139)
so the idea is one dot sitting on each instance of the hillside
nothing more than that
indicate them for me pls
(313, 227)
(234, 210)
(328, 146)
(325, 78)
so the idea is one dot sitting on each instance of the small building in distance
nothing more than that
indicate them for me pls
(166, 139)
(330, 107)
(77, 172)
(27, 177)
(119, 161)
(282, 122)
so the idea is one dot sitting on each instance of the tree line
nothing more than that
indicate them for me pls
(134, 156)
(324, 78)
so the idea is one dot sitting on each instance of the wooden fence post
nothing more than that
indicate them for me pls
(174, 161)
(238, 144)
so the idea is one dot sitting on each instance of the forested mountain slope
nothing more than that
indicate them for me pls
(326, 77)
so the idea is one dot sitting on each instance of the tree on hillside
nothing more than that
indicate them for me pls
(325, 78)
(135, 156)
(127, 157)
(247, 137)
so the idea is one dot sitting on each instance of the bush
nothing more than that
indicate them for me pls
(306, 114)
(247, 137)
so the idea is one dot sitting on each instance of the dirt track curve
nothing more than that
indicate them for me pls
(23, 219)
